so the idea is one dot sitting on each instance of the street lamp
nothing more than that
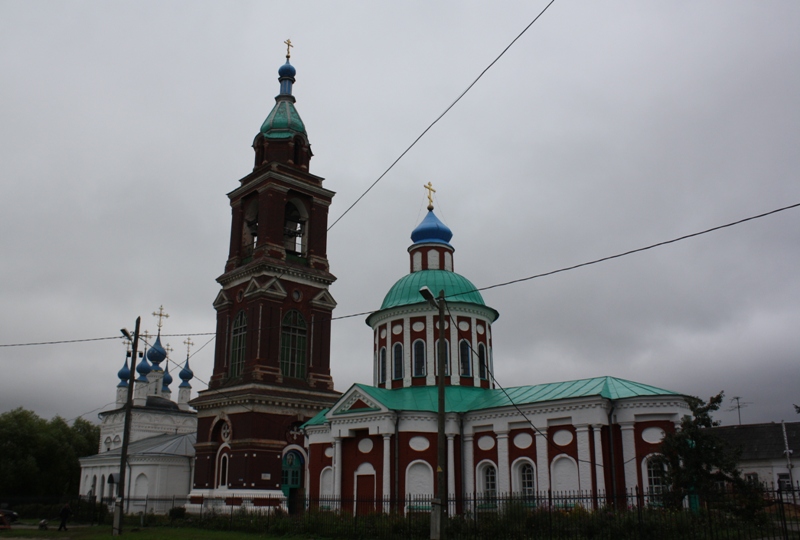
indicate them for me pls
(126, 434)
(440, 502)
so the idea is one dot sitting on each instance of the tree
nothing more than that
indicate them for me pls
(694, 458)
(39, 458)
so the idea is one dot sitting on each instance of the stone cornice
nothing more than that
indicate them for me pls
(423, 309)
(277, 269)
(295, 183)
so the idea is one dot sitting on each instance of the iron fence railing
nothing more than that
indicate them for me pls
(754, 513)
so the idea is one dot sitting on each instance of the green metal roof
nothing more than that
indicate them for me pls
(460, 399)
(283, 121)
(467, 398)
(456, 287)
(318, 419)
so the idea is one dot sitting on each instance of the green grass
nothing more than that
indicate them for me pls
(148, 533)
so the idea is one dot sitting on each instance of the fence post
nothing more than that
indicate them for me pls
(782, 514)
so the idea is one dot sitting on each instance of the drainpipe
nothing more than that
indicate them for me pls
(613, 460)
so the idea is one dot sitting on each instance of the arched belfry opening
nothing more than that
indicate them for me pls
(295, 228)
(249, 226)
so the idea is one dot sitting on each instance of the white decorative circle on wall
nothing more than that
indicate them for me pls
(419, 443)
(562, 437)
(479, 329)
(653, 435)
(396, 329)
(329, 452)
(486, 442)
(463, 326)
(418, 326)
(383, 333)
(365, 446)
(523, 440)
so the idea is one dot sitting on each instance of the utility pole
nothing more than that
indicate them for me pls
(126, 434)
(439, 504)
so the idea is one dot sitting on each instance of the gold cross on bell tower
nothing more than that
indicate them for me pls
(431, 191)
(289, 45)
(161, 316)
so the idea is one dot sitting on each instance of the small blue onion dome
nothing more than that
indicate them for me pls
(143, 369)
(166, 381)
(186, 375)
(287, 70)
(431, 229)
(124, 374)
(156, 354)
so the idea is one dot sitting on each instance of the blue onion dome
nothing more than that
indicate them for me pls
(156, 354)
(287, 70)
(166, 381)
(124, 374)
(186, 375)
(431, 230)
(143, 369)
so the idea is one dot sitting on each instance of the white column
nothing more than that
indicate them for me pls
(468, 482)
(542, 460)
(584, 459)
(387, 469)
(629, 456)
(337, 467)
(503, 468)
(598, 459)
(451, 474)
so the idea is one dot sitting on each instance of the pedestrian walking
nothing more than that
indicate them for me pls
(64, 514)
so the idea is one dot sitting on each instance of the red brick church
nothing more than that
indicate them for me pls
(271, 425)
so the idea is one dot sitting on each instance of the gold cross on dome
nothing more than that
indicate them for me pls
(188, 344)
(168, 349)
(161, 316)
(288, 43)
(431, 191)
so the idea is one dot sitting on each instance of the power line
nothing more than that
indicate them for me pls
(482, 73)
(488, 287)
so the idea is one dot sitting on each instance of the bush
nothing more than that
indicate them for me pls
(177, 512)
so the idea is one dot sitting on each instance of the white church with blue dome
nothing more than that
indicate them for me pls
(163, 434)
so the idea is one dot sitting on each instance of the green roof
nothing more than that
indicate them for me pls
(318, 419)
(460, 399)
(283, 121)
(468, 398)
(456, 288)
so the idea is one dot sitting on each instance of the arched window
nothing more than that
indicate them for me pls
(526, 480)
(419, 358)
(293, 345)
(482, 361)
(382, 366)
(397, 361)
(446, 357)
(465, 357)
(655, 476)
(222, 478)
(238, 335)
(487, 483)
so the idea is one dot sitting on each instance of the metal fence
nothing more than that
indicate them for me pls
(754, 513)
(758, 513)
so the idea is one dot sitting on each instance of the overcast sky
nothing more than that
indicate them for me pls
(608, 126)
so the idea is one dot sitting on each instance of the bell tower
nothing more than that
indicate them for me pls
(272, 357)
